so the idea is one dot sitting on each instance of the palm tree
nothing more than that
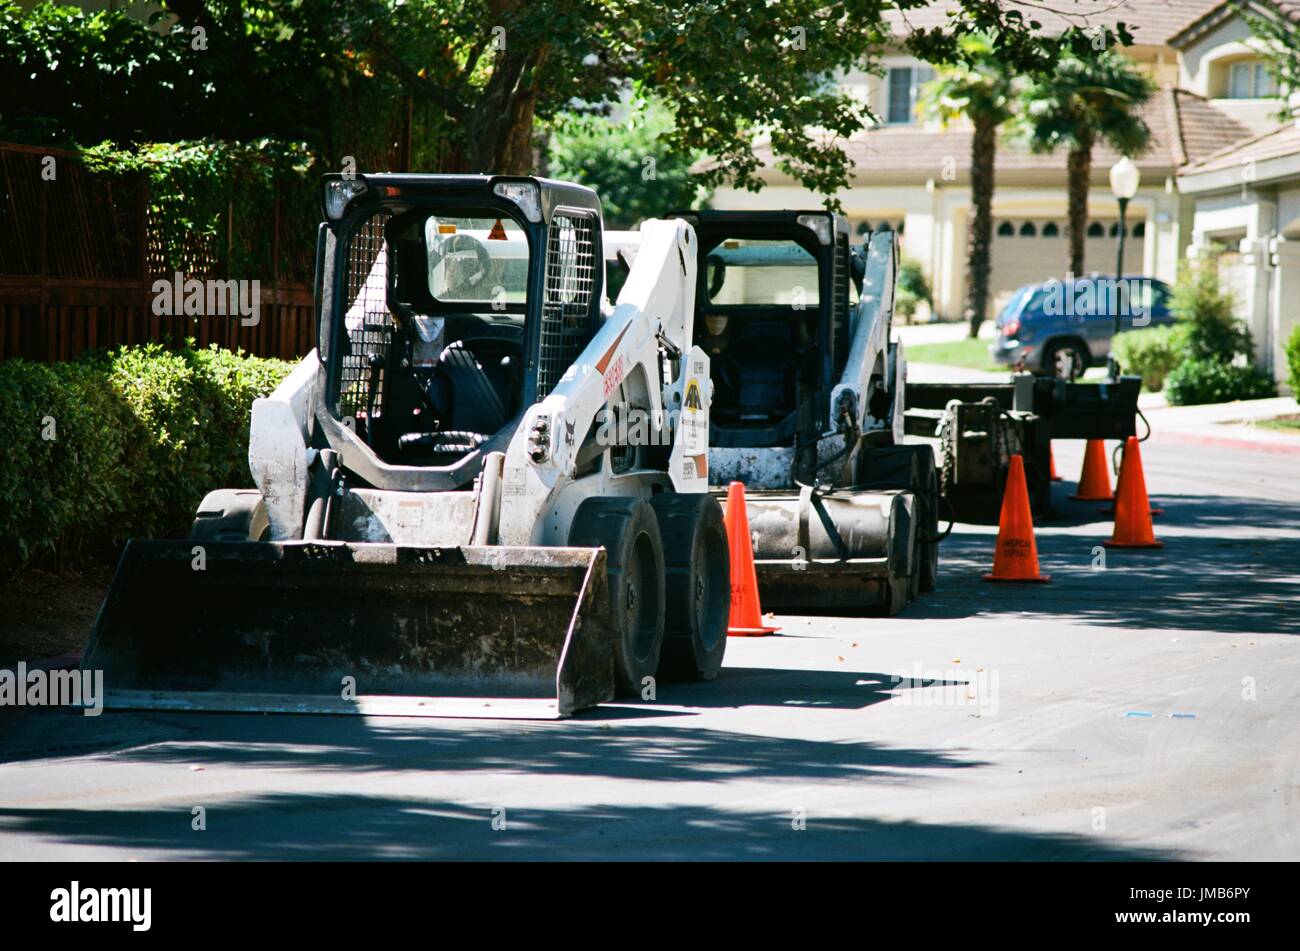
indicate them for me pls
(978, 88)
(1086, 100)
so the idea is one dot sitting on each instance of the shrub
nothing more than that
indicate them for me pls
(912, 288)
(911, 278)
(905, 304)
(1293, 361)
(1151, 353)
(1205, 309)
(120, 444)
(1197, 381)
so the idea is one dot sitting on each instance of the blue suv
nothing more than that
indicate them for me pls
(1060, 328)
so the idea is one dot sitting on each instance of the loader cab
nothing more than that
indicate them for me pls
(773, 312)
(448, 305)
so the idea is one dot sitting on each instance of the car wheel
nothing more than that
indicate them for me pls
(1065, 361)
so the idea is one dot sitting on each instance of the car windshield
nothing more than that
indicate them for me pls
(477, 260)
(761, 271)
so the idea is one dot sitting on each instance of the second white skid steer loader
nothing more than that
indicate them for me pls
(450, 518)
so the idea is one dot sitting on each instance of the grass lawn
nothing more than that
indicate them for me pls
(1290, 424)
(971, 354)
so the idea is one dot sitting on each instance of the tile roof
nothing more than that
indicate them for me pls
(1153, 22)
(1276, 144)
(1184, 128)
(1223, 9)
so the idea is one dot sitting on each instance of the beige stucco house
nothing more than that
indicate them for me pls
(1215, 95)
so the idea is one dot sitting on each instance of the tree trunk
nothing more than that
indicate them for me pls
(499, 127)
(1078, 176)
(979, 222)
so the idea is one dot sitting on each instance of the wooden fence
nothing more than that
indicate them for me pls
(78, 260)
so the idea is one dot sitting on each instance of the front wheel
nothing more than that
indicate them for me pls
(697, 566)
(634, 561)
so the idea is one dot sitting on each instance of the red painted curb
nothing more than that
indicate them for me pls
(1225, 442)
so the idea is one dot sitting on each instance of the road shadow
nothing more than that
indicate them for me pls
(288, 826)
(1228, 564)
(588, 747)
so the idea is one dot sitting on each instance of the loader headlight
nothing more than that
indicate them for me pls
(526, 195)
(539, 440)
(339, 192)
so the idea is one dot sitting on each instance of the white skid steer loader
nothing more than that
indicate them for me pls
(807, 409)
(485, 493)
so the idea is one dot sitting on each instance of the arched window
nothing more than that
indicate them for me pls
(1140, 229)
(1050, 230)
(1114, 230)
(901, 225)
(1095, 230)
(864, 228)
(885, 226)
(1027, 230)
(1006, 230)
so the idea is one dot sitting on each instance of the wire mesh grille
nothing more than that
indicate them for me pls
(568, 321)
(369, 325)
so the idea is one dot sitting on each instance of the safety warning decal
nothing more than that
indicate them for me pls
(693, 402)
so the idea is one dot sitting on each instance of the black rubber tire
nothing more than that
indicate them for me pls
(634, 560)
(697, 571)
(906, 556)
(910, 467)
(1080, 363)
(231, 515)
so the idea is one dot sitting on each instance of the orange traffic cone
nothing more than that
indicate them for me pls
(1016, 556)
(1132, 507)
(1051, 458)
(746, 616)
(1094, 482)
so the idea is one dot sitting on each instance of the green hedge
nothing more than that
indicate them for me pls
(1216, 381)
(120, 444)
(1151, 353)
(1293, 361)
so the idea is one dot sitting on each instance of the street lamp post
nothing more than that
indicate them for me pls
(1124, 179)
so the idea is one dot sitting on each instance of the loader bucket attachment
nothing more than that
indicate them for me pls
(493, 631)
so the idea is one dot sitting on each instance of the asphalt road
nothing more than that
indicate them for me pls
(1147, 710)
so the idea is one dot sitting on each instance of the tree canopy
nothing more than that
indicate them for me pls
(462, 85)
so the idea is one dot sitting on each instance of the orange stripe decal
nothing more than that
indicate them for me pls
(603, 363)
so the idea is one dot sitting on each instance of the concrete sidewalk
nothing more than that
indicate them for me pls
(1224, 424)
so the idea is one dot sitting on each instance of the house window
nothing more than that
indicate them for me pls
(1250, 80)
(905, 83)
(1096, 230)
(1027, 230)
(1051, 230)
(1006, 230)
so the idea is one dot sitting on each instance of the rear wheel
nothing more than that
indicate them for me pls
(629, 532)
(698, 585)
